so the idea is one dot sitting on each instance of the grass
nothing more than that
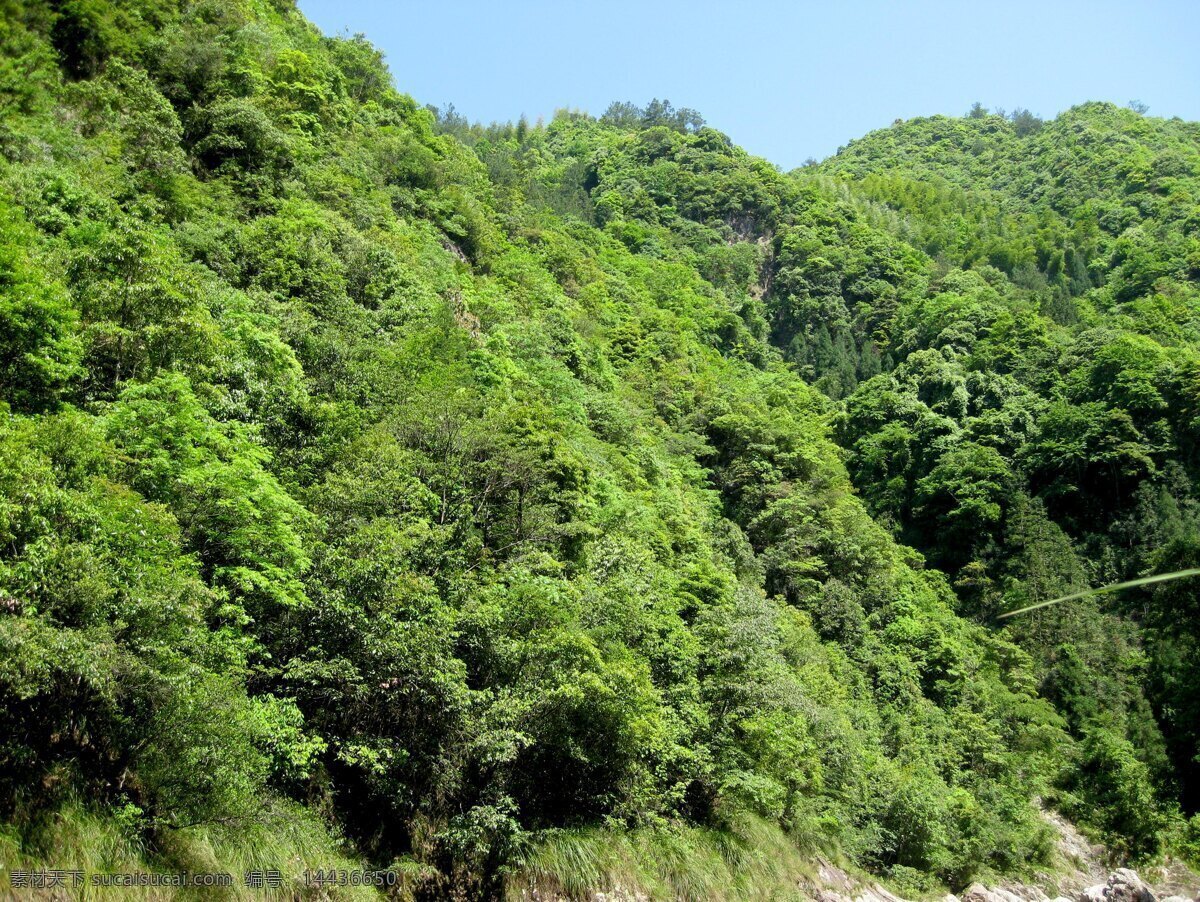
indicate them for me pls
(752, 860)
(72, 838)
(77, 838)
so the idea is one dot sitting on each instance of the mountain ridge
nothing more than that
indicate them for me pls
(377, 487)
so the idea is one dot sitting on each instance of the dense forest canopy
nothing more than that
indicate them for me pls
(379, 485)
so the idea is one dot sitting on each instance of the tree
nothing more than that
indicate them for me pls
(963, 499)
(39, 347)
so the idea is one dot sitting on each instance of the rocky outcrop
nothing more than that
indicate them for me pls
(1123, 886)
(977, 892)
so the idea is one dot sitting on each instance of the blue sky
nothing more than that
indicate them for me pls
(785, 80)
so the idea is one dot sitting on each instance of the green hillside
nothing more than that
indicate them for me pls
(494, 503)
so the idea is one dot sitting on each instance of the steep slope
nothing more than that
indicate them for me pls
(368, 492)
(1032, 432)
(1077, 445)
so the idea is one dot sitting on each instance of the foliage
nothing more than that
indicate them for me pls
(566, 497)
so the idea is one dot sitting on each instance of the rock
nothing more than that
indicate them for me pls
(832, 877)
(877, 893)
(619, 894)
(1001, 894)
(1126, 886)
(977, 892)
(1023, 892)
(1123, 886)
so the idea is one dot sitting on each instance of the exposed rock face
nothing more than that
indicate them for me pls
(1123, 885)
(1126, 886)
(832, 884)
(977, 892)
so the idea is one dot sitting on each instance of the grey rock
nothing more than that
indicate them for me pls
(1026, 893)
(1126, 886)
(1003, 895)
(876, 893)
(977, 892)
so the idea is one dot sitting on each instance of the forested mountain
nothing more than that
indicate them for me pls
(381, 489)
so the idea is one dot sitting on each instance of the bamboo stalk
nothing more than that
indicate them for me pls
(1103, 590)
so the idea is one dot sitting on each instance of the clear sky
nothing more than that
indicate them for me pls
(786, 80)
